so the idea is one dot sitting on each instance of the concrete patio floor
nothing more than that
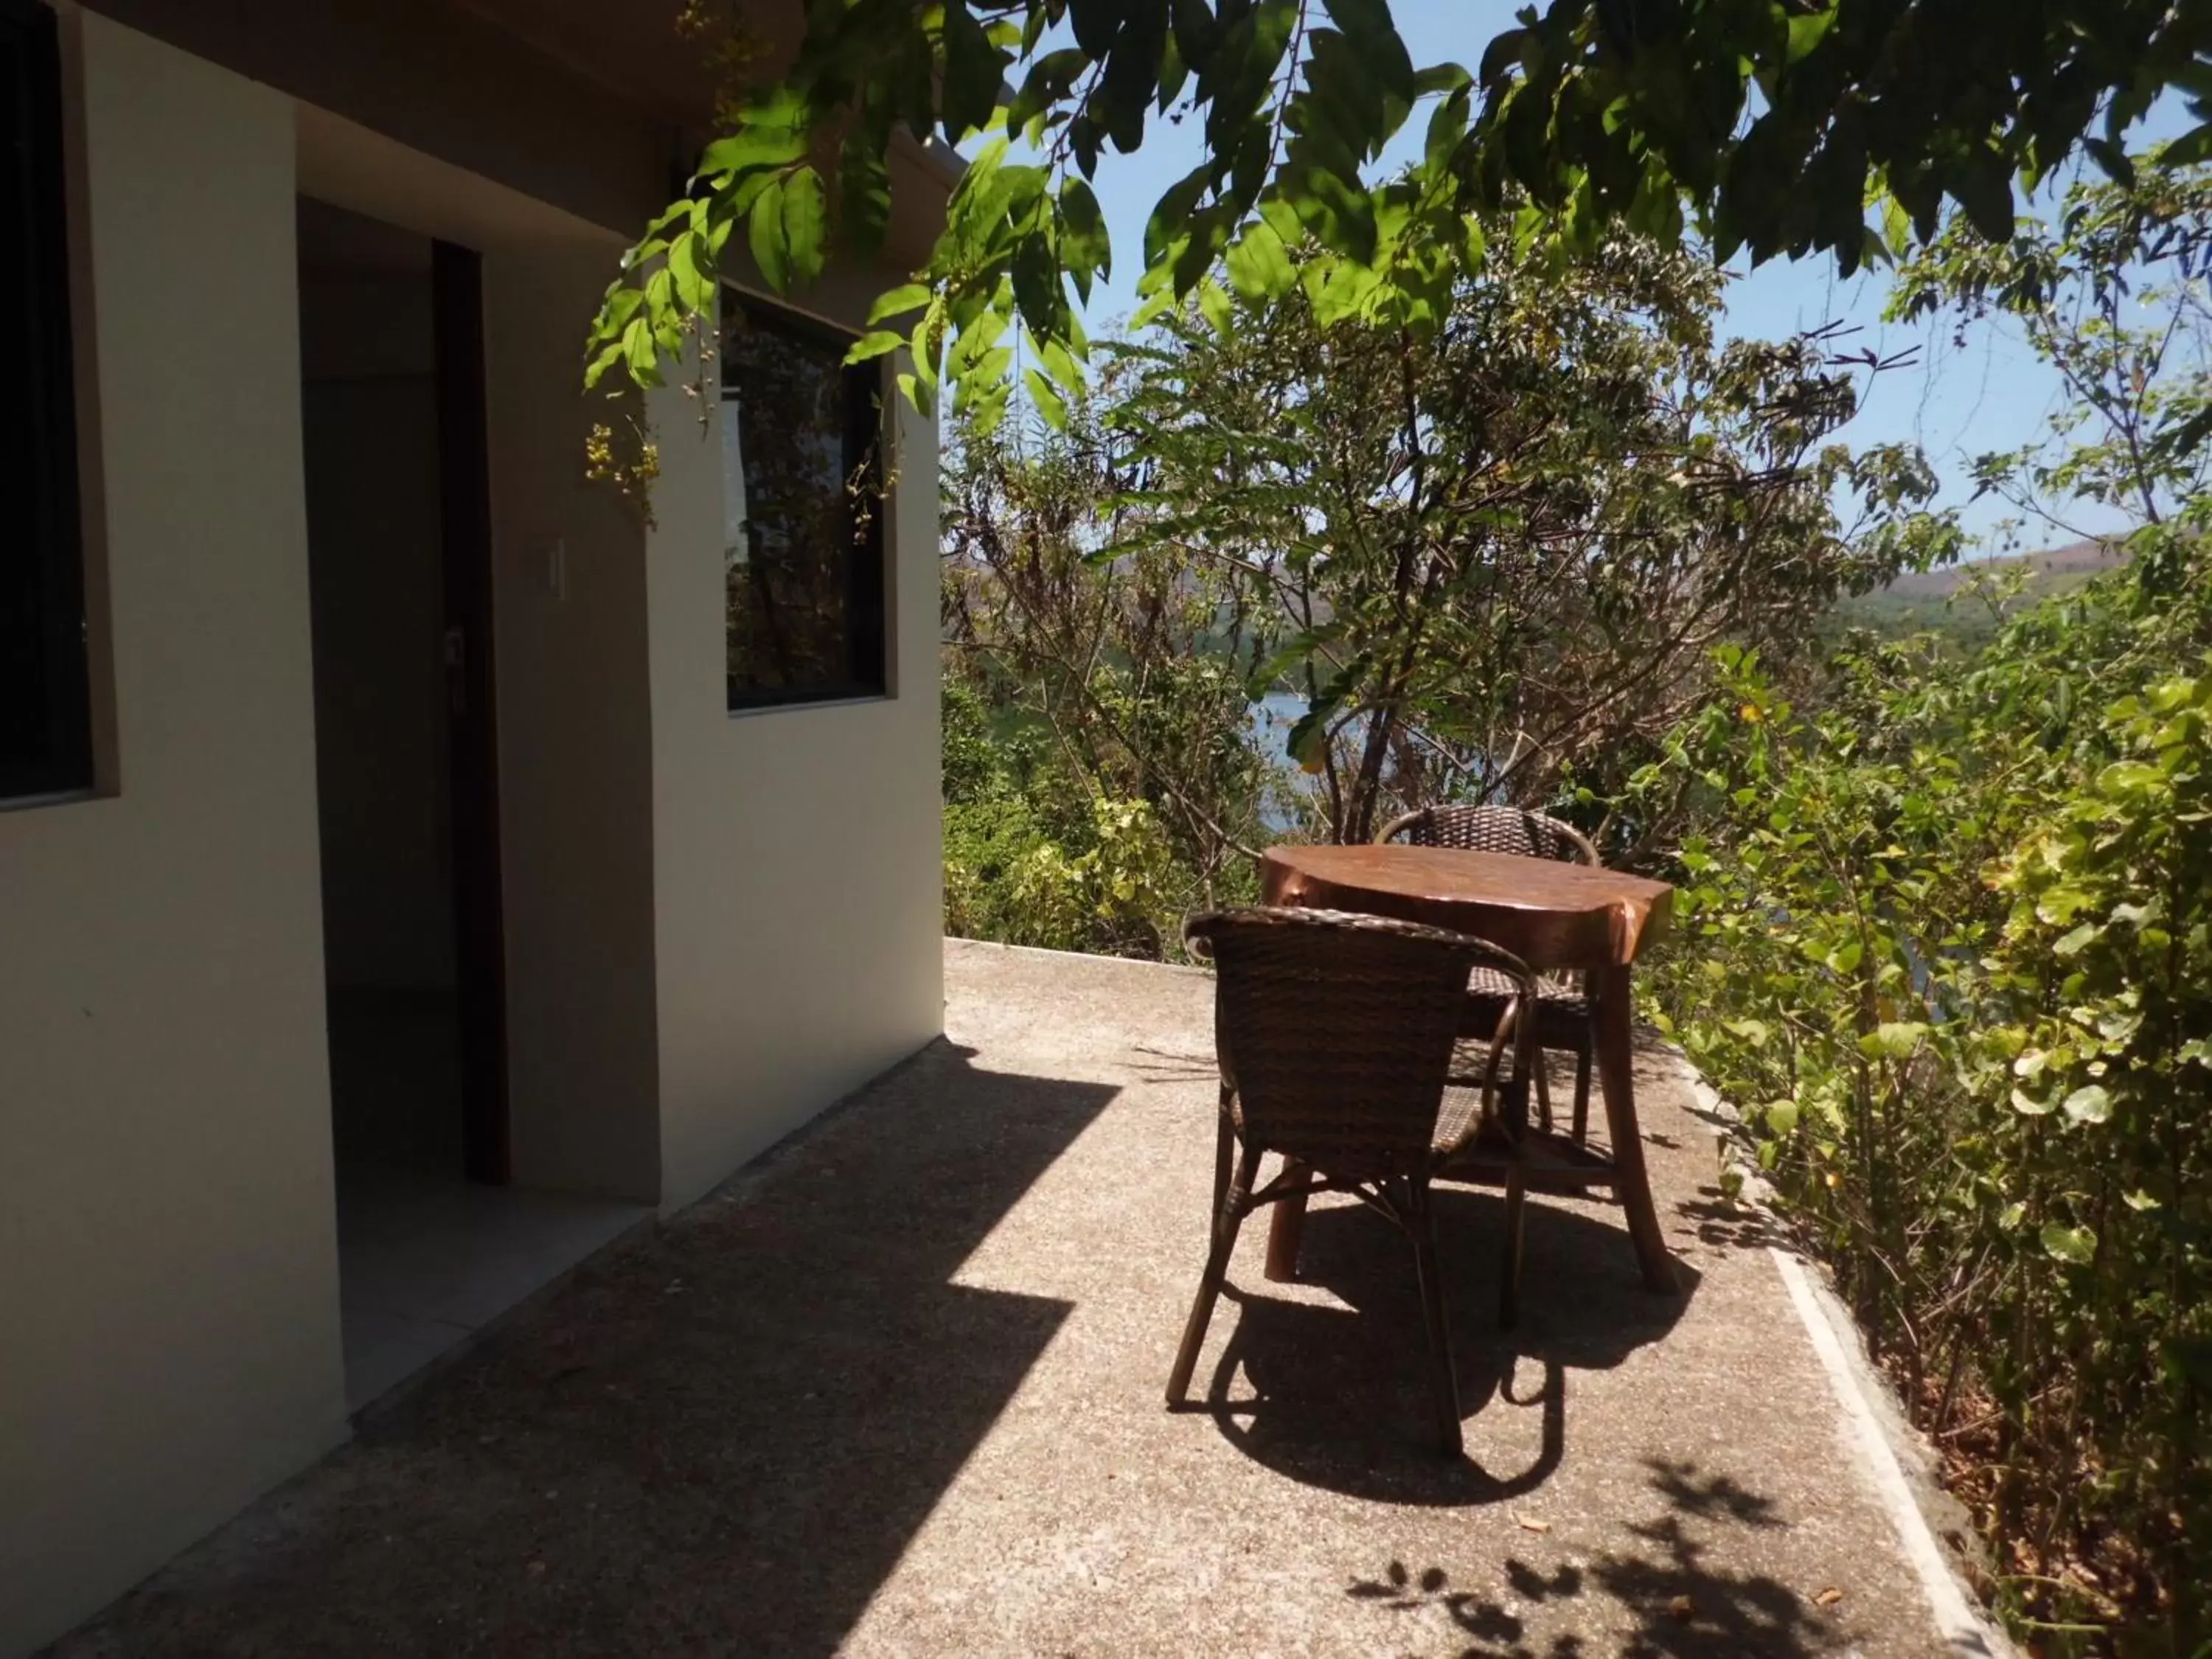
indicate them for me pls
(896, 1390)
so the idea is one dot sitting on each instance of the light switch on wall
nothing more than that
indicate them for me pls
(555, 573)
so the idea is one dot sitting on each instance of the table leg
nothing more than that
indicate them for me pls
(1286, 1230)
(1615, 1041)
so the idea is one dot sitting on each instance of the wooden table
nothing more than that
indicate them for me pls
(1556, 917)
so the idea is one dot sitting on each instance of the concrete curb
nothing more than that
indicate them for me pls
(1966, 1634)
(1880, 1430)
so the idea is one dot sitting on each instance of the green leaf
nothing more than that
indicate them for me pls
(1050, 405)
(750, 148)
(919, 392)
(806, 221)
(1290, 654)
(692, 287)
(1171, 214)
(2073, 944)
(765, 237)
(1445, 78)
(1807, 30)
(913, 296)
(1893, 1039)
(2113, 160)
(1216, 307)
(2059, 906)
(2126, 777)
(1981, 180)
(2076, 1245)
(606, 359)
(2186, 151)
(1308, 738)
(877, 342)
(973, 68)
(1085, 247)
(864, 192)
(2089, 1105)
(1259, 265)
(1896, 227)
(1336, 208)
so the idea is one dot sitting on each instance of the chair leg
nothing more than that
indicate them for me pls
(1228, 1218)
(1443, 1378)
(1509, 1287)
(1543, 1088)
(1582, 1090)
(1224, 1151)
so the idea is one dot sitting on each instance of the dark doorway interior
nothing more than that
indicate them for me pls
(465, 529)
(383, 743)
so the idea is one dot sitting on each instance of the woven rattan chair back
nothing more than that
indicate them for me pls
(1335, 1030)
(1492, 829)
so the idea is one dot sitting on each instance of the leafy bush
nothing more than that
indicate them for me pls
(1033, 857)
(1948, 941)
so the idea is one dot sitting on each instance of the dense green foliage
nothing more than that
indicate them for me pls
(1760, 125)
(1947, 939)
(1102, 777)
(1037, 853)
(1493, 556)
(1487, 562)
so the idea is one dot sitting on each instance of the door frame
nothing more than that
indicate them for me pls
(466, 552)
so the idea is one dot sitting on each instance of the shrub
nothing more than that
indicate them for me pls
(1947, 940)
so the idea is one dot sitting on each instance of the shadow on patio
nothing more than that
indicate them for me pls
(727, 1434)
(896, 1390)
(1686, 1608)
(1331, 1392)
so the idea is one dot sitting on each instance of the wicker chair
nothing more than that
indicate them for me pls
(1565, 1011)
(1336, 1035)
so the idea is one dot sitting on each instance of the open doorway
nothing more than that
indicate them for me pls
(432, 1242)
(415, 1074)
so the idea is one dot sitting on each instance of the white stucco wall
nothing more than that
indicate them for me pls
(168, 1272)
(797, 854)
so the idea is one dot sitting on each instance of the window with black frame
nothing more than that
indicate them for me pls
(45, 725)
(803, 541)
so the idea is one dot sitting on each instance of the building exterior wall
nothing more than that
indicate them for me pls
(575, 751)
(797, 859)
(716, 925)
(444, 80)
(168, 1268)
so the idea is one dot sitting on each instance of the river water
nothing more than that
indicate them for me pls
(1272, 717)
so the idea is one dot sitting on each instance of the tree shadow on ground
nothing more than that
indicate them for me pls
(1338, 1397)
(721, 1439)
(1725, 1224)
(1662, 1598)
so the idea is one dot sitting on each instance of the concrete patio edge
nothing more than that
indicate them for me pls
(1886, 1441)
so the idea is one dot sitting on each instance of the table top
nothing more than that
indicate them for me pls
(1553, 916)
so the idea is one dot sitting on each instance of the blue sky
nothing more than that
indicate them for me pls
(1955, 403)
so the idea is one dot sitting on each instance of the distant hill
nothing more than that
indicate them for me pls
(1917, 602)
